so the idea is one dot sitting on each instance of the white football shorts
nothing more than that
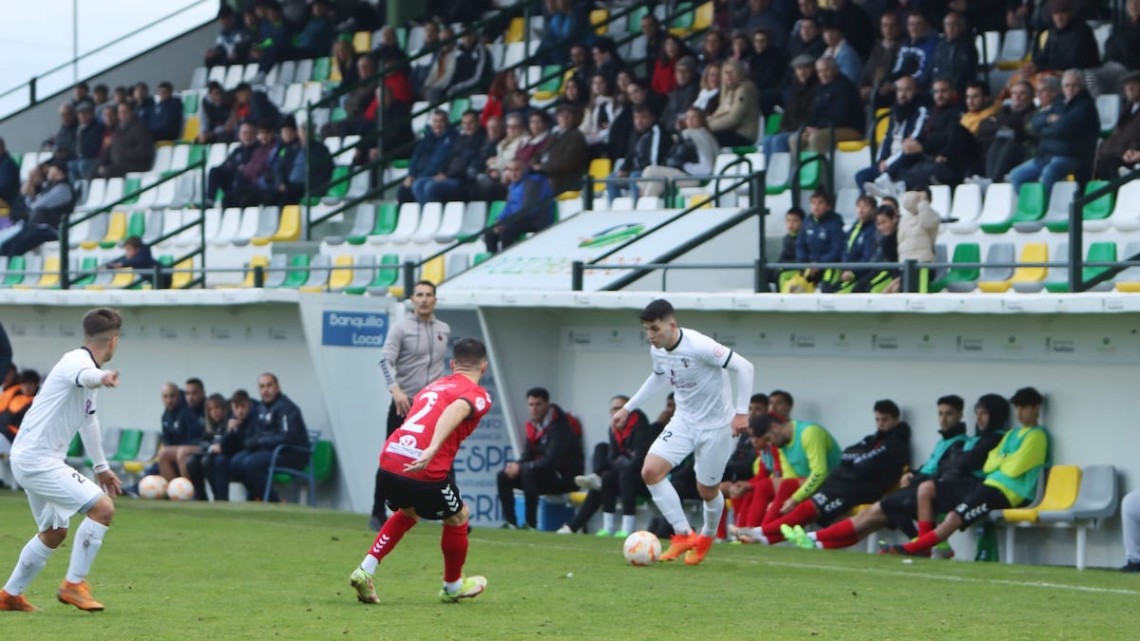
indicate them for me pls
(56, 493)
(711, 449)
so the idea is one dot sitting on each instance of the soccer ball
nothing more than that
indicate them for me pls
(152, 487)
(642, 548)
(180, 489)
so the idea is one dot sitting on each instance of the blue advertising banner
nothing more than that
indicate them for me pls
(353, 329)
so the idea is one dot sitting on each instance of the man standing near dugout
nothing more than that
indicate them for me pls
(64, 406)
(697, 367)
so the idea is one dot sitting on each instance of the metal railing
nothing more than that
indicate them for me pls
(1076, 263)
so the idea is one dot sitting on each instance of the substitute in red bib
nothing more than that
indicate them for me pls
(416, 471)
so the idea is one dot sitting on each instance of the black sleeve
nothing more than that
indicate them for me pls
(5, 351)
(886, 458)
(563, 448)
(642, 437)
(739, 466)
(974, 459)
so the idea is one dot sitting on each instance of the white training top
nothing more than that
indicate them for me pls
(64, 405)
(696, 370)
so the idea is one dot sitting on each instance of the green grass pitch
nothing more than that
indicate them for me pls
(233, 572)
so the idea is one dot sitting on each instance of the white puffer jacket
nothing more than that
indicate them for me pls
(918, 228)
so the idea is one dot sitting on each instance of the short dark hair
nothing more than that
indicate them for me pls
(196, 381)
(101, 87)
(165, 84)
(240, 396)
(623, 397)
(657, 310)
(82, 84)
(29, 376)
(426, 283)
(870, 200)
(469, 351)
(759, 398)
(760, 425)
(888, 407)
(216, 399)
(133, 241)
(953, 400)
(824, 194)
(272, 376)
(214, 84)
(798, 212)
(101, 322)
(886, 210)
(779, 392)
(1026, 397)
(642, 109)
(537, 392)
(977, 84)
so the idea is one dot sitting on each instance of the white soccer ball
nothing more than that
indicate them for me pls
(642, 548)
(152, 487)
(180, 489)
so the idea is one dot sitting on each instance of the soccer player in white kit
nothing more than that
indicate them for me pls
(704, 424)
(66, 405)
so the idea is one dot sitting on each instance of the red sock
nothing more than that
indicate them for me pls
(740, 507)
(802, 514)
(722, 527)
(925, 526)
(923, 543)
(762, 493)
(840, 535)
(453, 542)
(394, 529)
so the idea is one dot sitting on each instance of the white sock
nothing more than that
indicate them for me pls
(713, 510)
(369, 564)
(754, 533)
(629, 523)
(815, 539)
(88, 540)
(608, 521)
(669, 503)
(452, 586)
(33, 558)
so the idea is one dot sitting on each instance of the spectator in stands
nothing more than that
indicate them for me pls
(226, 177)
(736, 121)
(599, 115)
(606, 59)
(581, 63)
(64, 142)
(708, 98)
(240, 425)
(979, 107)
(1068, 137)
(143, 102)
(122, 95)
(131, 149)
(110, 118)
(181, 433)
(137, 256)
(821, 239)
(9, 177)
(1011, 472)
(81, 94)
(396, 110)
(200, 465)
(653, 34)
(808, 40)
(283, 182)
(908, 119)
(663, 77)
(847, 60)
(567, 157)
(357, 102)
(1122, 50)
(855, 21)
(875, 87)
(866, 470)
(502, 85)
(944, 151)
(767, 66)
(916, 54)
(255, 175)
(1130, 526)
(529, 208)
(316, 38)
(89, 144)
(799, 104)
(460, 167)
(1069, 43)
(279, 422)
(491, 184)
(681, 97)
(428, 159)
(344, 61)
(836, 105)
(713, 49)
(213, 114)
(758, 14)
(271, 42)
(424, 57)
(550, 460)
(539, 127)
(917, 230)
(793, 224)
(442, 70)
(47, 198)
(232, 44)
(860, 244)
(1126, 134)
(622, 129)
(165, 121)
(473, 66)
(955, 56)
(616, 473)
(567, 23)
(886, 251)
(1003, 136)
(694, 154)
(648, 146)
(101, 99)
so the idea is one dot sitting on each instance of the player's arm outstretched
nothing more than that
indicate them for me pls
(448, 421)
(654, 384)
(744, 371)
(92, 434)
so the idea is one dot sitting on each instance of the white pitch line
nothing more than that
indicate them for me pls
(872, 570)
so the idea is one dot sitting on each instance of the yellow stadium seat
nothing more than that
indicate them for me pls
(50, 278)
(597, 17)
(516, 31)
(882, 125)
(600, 168)
(123, 278)
(433, 270)
(571, 195)
(1060, 494)
(852, 145)
(191, 128)
(180, 279)
(289, 227)
(1031, 253)
(256, 261)
(116, 229)
(704, 17)
(362, 41)
(704, 201)
(334, 72)
(341, 275)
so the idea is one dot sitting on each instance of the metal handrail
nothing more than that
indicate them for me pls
(1077, 282)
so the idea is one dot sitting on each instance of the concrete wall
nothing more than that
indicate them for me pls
(173, 61)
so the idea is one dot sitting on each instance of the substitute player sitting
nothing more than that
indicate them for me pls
(704, 424)
(64, 406)
(416, 470)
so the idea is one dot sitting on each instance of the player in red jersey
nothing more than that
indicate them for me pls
(416, 472)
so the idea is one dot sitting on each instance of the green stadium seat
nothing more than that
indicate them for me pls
(387, 274)
(1030, 208)
(458, 107)
(338, 114)
(683, 15)
(553, 82)
(338, 190)
(197, 154)
(298, 273)
(321, 68)
(387, 215)
(481, 257)
(136, 224)
(130, 190)
(16, 264)
(1099, 209)
(190, 104)
(810, 170)
(495, 209)
(318, 469)
(402, 37)
(88, 267)
(961, 278)
(633, 24)
(772, 124)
